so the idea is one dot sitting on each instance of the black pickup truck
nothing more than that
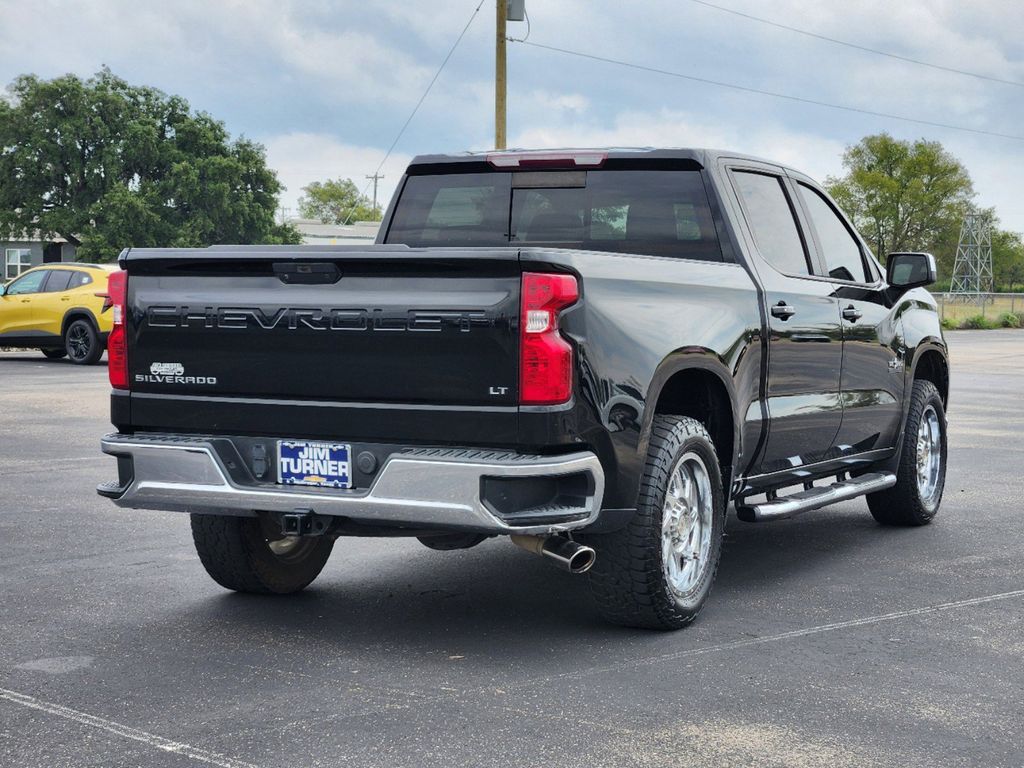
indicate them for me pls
(593, 352)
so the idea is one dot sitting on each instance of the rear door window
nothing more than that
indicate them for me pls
(772, 222)
(58, 280)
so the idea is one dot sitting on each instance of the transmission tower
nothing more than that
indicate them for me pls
(972, 271)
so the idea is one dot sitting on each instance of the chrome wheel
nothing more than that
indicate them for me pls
(929, 457)
(79, 342)
(687, 523)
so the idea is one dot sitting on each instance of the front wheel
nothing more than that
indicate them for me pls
(249, 554)
(82, 343)
(921, 474)
(657, 572)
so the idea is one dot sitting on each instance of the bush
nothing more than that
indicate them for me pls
(949, 324)
(1010, 320)
(978, 323)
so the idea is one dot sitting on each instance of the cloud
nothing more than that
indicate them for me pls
(343, 75)
(300, 158)
(812, 154)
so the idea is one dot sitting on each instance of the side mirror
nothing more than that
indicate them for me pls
(910, 270)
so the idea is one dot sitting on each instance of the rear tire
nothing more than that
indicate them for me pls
(82, 343)
(921, 474)
(54, 354)
(246, 554)
(657, 572)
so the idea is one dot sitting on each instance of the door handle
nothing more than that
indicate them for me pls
(65, 298)
(783, 311)
(852, 314)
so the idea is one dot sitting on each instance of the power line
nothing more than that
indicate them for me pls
(864, 48)
(748, 89)
(416, 108)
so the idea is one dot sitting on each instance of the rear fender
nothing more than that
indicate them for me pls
(78, 313)
(680, 361)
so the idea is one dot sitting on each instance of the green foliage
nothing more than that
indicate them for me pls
(1010, 320)
(337, 201)
(978, 323)
(109, 165)
(949, 324)
(1008, 260)
(904, 196)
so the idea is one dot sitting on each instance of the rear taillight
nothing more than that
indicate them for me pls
(117, 342)
(545, 358)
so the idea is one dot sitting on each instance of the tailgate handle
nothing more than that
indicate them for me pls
(307, 274)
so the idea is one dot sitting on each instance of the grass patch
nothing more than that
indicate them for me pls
(1011, 320)
(978, 323)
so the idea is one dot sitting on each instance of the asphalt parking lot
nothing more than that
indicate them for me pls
(828, 641)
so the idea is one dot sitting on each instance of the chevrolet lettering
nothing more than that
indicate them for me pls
(241, 318)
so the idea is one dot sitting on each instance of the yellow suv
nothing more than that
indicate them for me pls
(60, 309)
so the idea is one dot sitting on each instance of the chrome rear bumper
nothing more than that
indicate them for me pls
(431, 488)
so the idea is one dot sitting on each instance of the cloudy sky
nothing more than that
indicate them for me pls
(325, 85)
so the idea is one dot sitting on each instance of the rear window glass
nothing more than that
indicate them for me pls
(663, 213)
(457, 209)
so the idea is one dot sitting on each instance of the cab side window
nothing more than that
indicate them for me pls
(59, 280)
(30, 283)
(772, 222)
(843, 257)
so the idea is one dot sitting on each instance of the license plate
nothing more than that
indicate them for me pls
(322, 464)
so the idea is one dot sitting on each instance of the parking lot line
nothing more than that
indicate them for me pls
(124, 731)
(779, 637)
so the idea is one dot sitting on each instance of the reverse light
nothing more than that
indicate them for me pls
(117, 341)
(545, 363)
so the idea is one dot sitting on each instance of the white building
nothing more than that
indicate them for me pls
(315, 232)
(21, 251)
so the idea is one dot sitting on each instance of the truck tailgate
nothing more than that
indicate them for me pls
(380, 325)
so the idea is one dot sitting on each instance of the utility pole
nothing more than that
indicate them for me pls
(376, 177)
(499, 74)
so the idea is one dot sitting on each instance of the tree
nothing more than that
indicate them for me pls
(108, 165)
(1014, 275)
(1007, 258)
(904, 196)
(337, 201)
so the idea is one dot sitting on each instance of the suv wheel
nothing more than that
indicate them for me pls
(921, 474)
(249, 554)
(82, 343)
(657, 572)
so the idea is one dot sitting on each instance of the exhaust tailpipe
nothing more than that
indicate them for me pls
(563, 552)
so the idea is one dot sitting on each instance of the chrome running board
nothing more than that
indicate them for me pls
(814, 498)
